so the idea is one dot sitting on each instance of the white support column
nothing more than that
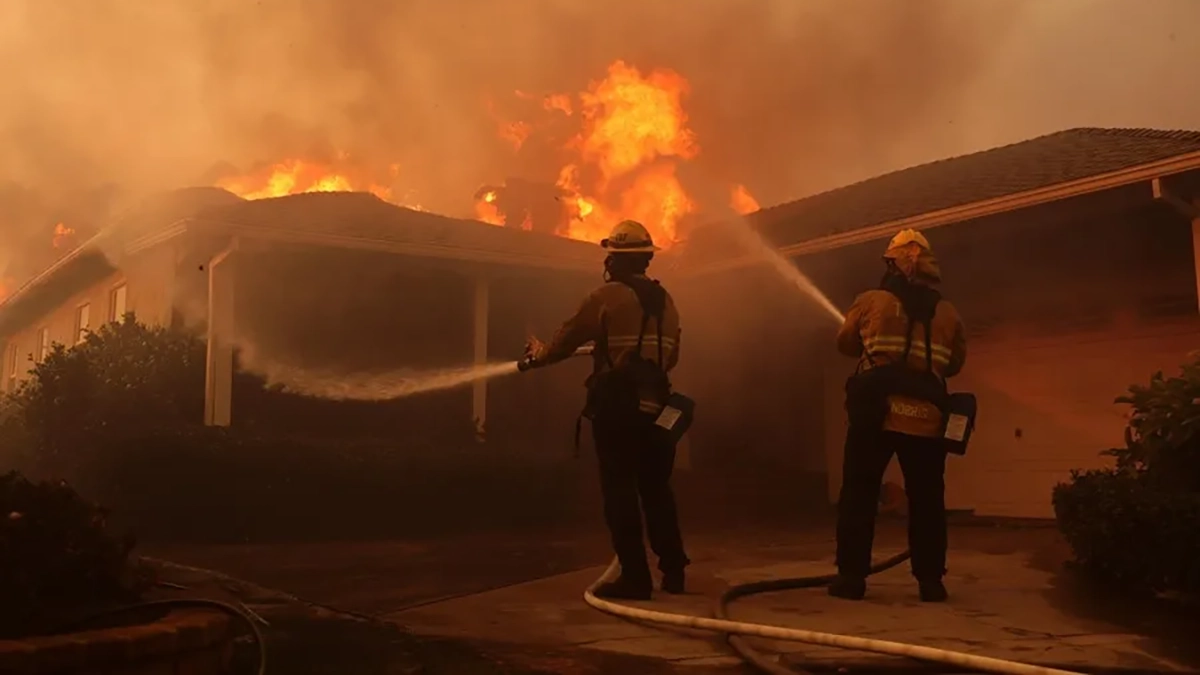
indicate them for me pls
(479, 387)
(1196, 251)
(218, 379)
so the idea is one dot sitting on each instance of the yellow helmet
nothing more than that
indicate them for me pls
(903, 240)
(629, 236)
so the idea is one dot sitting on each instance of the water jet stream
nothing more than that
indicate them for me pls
(382, 386)
(752, 239)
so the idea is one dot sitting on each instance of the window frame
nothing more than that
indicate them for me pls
(43, 343)
(11, 356)
(121, 289)
(83, 319)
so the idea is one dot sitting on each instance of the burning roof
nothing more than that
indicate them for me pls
(610, 152)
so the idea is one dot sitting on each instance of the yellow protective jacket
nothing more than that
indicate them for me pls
(874, 332)
(614, 308)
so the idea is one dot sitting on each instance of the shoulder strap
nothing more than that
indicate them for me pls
(926, 323)
(602, 342)
(653, 300)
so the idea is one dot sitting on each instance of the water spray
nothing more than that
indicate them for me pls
(381, 386)
(753, 240)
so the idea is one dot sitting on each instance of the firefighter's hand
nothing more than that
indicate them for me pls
(533, 347)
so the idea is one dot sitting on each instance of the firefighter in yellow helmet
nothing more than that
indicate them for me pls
(907, 340)
(634, 326)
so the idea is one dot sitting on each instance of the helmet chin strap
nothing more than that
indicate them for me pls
(608, 265)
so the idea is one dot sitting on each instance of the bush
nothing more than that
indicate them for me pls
(56, 557)
(119, 416)
(1138, 524)
(124, 375)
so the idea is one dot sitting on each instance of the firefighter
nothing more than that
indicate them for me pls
(907, 340)
(634, 326)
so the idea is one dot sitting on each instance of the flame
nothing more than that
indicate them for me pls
(515, 133)
(622, 161)
(742, 201)
(559, 102)
(634, 130)
(485, 208)
(62, 235)
(295, 176)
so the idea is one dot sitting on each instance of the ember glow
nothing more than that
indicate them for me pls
(295, 176)
(632, 134)
(62, 235)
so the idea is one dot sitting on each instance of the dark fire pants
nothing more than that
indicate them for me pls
(923, 462)
(636, 461)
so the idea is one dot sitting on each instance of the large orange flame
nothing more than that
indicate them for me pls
(296, 176)
(622, 163)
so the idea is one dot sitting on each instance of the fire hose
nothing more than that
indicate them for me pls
(737, 631)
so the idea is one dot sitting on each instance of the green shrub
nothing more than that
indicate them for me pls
(56, 557)
(1137, 525)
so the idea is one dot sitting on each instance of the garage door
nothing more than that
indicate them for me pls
(1046, 407)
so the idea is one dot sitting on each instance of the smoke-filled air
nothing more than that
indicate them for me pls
(450, 105)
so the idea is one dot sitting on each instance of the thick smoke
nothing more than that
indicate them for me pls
(106, 100)
(147, 96)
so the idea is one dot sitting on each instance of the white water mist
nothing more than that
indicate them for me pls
(378, 387)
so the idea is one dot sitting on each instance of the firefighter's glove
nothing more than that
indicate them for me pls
(533, 347)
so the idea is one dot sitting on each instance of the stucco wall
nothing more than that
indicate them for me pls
(148, 280)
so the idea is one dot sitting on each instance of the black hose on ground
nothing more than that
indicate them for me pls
(742, 646)
(170, 603)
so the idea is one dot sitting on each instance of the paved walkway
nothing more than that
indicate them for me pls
(1005, 604)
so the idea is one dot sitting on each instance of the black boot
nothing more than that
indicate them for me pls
(673, 583)
(848, 588)
(933, 590)
(625, 588)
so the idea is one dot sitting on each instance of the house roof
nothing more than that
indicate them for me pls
(336, 219)
(361, 220)
(1042, 170)
(1041, 162)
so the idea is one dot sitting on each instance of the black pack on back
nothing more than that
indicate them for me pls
(615, 393)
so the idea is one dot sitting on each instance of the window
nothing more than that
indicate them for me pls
(43, 347)
(116, 305)
(83, 315)
(10, 364)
